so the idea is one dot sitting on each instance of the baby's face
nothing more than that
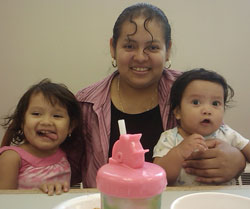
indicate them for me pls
(202, 108)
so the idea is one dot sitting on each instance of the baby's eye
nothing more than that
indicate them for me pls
(195, 102)
(216, 103)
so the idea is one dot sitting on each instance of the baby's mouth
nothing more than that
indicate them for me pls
(50, 134)
(205, 121)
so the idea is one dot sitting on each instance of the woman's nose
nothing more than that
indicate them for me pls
(141, 55)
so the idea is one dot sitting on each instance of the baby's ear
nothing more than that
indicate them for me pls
(177, 113)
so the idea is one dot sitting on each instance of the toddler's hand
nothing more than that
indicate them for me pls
(192, 143)
(55, 188)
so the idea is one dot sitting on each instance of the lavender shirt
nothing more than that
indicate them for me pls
(95, 102)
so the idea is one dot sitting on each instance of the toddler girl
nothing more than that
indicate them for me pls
(46, 120)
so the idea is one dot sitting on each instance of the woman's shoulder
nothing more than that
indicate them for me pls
(166, 82)
(171, 74)
(92, 91)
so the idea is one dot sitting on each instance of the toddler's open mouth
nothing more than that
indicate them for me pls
(50, 134)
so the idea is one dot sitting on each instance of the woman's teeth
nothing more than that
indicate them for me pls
(140, 69)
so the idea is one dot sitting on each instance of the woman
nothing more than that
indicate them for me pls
(139, 92)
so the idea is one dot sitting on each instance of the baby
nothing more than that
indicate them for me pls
(198, 100)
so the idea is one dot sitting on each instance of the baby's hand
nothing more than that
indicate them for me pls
(192, 143)
(57, 188)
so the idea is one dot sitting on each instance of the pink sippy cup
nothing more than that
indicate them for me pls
(127, 181)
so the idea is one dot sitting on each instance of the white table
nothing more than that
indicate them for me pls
(34, 199)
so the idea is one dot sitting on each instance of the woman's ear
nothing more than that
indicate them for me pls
(112, 50)
(168, 50)
(177, 113)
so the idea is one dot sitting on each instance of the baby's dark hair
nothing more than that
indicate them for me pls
(53, 93)
(149, 12)
(187, 77)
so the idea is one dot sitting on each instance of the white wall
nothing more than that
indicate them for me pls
(68, 41)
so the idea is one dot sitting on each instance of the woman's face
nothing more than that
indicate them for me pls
(140, 60)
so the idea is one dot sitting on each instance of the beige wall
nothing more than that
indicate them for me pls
(68, 41)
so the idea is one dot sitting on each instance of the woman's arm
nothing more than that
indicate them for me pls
(9, 169)
(246, 152)
(75, 155)
(219, 164)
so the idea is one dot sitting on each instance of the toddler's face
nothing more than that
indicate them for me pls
(202, 108)
(45, 126)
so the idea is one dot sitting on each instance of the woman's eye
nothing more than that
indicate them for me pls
(195, 102)
(152, 48)
(128, 46)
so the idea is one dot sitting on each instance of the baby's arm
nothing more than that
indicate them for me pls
(246, 152)
(9, 169)
(172, 161)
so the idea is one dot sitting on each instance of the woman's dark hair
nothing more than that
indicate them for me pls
(53, 93)
(146, 10)
(187, 77)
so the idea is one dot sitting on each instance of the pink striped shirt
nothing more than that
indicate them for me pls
(35, 171)
(96, 106)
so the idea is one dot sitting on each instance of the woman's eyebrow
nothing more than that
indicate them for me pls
(148, 42)
(129, 40)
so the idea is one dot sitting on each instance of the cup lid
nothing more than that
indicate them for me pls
(127, 175)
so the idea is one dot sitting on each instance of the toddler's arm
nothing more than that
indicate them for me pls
(173, 160)
(55, 188)
(9, 168)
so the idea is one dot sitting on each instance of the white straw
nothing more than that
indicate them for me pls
(122, 127)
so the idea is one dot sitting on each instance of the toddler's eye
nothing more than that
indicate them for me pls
(58, 116)
(35, 113)
(195, 102)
